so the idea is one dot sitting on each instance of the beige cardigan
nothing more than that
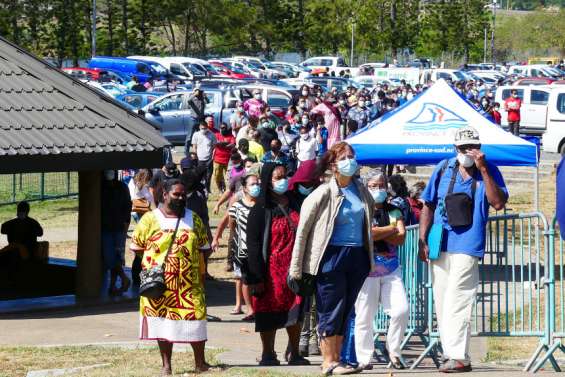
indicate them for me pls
(317, 219)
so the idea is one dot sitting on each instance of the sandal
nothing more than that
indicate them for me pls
(236, 312)
(329, 370)
(249, 318)
(343, 369)
(396, 363)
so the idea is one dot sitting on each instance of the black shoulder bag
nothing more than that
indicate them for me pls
(153, 279)
(305, 286)
(459, 206)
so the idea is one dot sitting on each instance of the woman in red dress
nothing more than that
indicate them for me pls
(271, 228)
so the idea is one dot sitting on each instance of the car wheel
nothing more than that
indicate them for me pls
(562, 148)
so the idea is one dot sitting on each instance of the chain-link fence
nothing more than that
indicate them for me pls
(37, 186)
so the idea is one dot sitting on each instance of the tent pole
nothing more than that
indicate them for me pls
(536, 188)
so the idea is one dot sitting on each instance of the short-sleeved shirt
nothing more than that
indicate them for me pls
(348, 227)
(237, 122)
(323, 146)
(513, 106)
(468, 240)
(204, 145)
(256, 149)
(222, 153)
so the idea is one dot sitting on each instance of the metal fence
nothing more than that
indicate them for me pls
(516, 293)
(37, 186)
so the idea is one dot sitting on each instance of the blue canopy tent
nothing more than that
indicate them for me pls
(421, 132)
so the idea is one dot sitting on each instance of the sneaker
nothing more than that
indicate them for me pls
(269, 361)
(298, 360)
(455, 366)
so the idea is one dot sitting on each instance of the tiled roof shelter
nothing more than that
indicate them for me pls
(51, 122)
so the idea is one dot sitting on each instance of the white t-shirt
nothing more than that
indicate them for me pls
(144, 193)
(306, 149)
(204, 145)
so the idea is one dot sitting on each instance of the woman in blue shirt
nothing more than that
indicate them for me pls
(334, 244)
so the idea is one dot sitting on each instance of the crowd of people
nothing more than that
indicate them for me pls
(312, 242)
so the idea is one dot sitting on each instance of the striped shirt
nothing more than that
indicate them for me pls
(239, 212)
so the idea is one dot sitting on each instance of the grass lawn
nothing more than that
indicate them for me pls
(139, 362)
(60, 213)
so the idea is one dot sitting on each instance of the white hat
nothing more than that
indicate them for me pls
(467, 136)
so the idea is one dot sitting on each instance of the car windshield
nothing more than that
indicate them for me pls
(158, 68)
(459, 75)
(210, 68)
(254, 65)
(194, 69)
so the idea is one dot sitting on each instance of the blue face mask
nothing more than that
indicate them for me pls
(305, 190)
(347, 167)
(280, 186)
(379, 196)
(254, 191)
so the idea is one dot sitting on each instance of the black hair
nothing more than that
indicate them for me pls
(168, 184)
(398, 185)
(250, 159)
(245, 177)
(23, 206)
(203, 123)
(235, 156)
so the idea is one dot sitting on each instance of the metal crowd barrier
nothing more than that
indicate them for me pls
(516, 293)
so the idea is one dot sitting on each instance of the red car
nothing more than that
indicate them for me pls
(229, 72)
(534, 81)
(84, 73)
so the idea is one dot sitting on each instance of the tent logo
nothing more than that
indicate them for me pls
(434, 117)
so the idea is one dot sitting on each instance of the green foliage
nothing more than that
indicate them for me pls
(62, 29)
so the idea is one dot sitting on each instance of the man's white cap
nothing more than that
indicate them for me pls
(467, 136)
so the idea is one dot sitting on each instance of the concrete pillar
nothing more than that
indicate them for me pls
(89, 259)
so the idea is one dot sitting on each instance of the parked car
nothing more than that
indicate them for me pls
(534, 107)
(262, 65)
(232, 72)
(137, 101)
(534, 81)
(174, 117)
(553, 139)
(534, 70)
(291, 70)
(332, 63)
(143, 70)
(82, 73)
(180, 66)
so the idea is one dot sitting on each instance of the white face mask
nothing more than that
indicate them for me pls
(257, 96)
(465, 160)
(304, 93)
(305, 121)
(361, 103)
(304, 136)
(342, 102)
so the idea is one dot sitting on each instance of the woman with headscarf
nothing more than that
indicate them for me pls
(271, 228)
(332, 118)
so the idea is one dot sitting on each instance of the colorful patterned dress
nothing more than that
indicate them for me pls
(179, 315)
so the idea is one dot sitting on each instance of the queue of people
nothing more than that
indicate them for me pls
(313, 245)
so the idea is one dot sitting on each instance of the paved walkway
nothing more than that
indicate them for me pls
(117, 324)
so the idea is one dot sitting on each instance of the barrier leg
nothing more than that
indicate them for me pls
(549, 356)
(534, 356)
(433, 343)
(406, 339)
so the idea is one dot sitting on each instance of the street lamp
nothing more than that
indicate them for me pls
(494, 5)
(352, 42)
(93, 28)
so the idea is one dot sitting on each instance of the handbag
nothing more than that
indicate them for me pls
(140, 206)
(305, 286)
(435, 238)
(152, 283)
(459, 207)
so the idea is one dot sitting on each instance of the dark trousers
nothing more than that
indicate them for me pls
(209, 165)
(514, 128)
(342, 272)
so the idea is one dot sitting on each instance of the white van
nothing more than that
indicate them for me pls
(534, 107)
(442, 73)
(410, 75)
(553, 139)
(189, 68)
(334, 64)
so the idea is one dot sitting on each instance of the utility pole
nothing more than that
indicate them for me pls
(352, 41)
(485, 47)
(494, 5)
(93, 28)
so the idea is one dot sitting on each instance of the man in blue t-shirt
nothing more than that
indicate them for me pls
(455, 273)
